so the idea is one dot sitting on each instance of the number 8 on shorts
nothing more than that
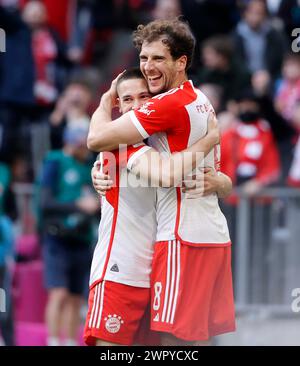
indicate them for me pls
(157, 293)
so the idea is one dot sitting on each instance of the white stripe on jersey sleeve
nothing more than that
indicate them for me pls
(136, 155)
(138, 125)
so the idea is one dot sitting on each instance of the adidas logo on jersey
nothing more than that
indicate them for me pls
(115, 268)
(156, 318)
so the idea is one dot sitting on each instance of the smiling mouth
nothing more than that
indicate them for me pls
(151, 79)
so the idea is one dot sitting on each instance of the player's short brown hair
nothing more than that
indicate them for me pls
(132, 73)
(175, 33)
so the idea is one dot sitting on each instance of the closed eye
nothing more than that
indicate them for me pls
(127, 99)
(145, 96)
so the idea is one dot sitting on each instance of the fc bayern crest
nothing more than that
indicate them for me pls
(113, 323)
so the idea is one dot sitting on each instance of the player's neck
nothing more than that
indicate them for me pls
(180, 80)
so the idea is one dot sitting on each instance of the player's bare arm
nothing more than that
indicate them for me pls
(105, 134)
(171, 171)
(210, 182)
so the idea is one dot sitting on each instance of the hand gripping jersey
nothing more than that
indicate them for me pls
(178, 118)
(128, 225)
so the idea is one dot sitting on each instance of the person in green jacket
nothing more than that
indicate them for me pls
(68, 208)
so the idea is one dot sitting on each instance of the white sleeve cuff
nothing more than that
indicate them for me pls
(136, 155)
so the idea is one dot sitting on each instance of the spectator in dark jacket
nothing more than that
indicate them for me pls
(16, 84)
(28, 76)
(221, 68)
(16, 79)
(287, 12)
(48, 52)
(68, 208)
(257, 42)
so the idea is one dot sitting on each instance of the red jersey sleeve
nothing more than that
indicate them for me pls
(112, 161)
(133, 152)
(128, 153)
(156, 115)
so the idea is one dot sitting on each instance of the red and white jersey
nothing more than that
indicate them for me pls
(127, 227)
(177, 119)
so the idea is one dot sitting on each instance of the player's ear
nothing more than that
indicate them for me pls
(181, 63)
(118, 104)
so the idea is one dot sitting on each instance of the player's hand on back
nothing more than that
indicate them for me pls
(211, 181)
(101, 182)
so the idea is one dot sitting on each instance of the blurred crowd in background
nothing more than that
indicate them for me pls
(61, 55)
